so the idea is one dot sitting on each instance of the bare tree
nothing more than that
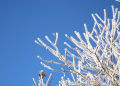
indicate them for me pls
(97, 62)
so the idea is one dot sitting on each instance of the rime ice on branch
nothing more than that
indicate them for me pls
(102, 57)
(41, 79)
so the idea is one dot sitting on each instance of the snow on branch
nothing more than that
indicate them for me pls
(95, 64)
(41, 79)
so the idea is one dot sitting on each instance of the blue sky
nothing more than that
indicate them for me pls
(22, 21)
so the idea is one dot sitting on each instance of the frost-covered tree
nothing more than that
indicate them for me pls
(97, 62)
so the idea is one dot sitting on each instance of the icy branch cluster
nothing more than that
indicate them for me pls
(97, 62)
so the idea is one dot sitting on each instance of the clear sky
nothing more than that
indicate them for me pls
(22, 21)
